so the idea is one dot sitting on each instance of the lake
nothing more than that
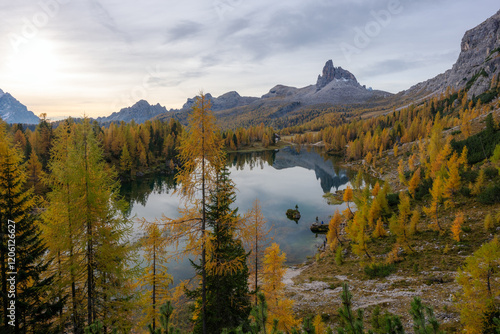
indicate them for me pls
(280, 180)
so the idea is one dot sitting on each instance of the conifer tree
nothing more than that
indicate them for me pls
(333, 235)
(457, 225)
(21, 250)
(35, 174)
(200, 154)
(400, 224)
(279, 307)
(414, 182)
(155, 280)
(227, 295)
(437, 193)
(84, 224)
(478, 300)
(256, 238)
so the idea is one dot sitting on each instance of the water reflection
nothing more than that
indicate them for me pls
(331, 176)
(279, 179)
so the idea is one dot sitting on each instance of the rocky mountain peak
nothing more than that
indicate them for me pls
(478, 61)
(331, 73)
(12, 111)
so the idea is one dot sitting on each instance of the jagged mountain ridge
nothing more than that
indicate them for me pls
(139, 112)
(478, 61)
(12, 111)
(335, 86)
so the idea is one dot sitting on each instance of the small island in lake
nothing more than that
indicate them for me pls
(293, 214)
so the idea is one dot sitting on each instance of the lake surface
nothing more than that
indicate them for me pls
(279, 179)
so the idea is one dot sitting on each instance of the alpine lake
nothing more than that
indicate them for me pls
(279, 179)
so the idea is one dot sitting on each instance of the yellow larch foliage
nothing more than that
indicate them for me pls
(379, 229)
(457, 226)
(479, 293)
(437, 197)
(279, 307)
(319, 325)
(478, 186)
(333, 235)
(348, 196)
(376, 189)
(414, 182)
(488, 222)
(395, 149)
(453, 182)
(415, 219)
(412, 162)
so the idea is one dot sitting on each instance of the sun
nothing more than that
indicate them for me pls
(36, 62)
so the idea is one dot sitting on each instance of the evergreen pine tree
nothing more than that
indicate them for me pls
(227, 295)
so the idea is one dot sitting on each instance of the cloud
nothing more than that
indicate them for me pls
(183, 30)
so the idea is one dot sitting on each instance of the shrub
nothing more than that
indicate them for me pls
(392, 199)
(423, 188)
(490, 195)
(379, 270)
(491, 172)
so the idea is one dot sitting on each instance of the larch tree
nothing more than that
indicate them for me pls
(279, 307)
(414, 183)
(348, 197)
(87, 230)
(456, 227)
(35, 174)
(200, 155)
(400, 224)
(155, 281)
(256, 238)
(432, 211)
(478, 299)
(333, 235)
(25, 279)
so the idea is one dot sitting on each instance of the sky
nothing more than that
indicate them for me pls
(94, 57)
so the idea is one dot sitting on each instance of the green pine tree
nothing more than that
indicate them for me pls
(228, 303)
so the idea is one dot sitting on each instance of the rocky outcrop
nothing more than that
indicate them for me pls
(139, 112)
(331, 73)
(12, 111)
(478, 61)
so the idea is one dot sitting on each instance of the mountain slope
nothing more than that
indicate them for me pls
(12, 111)
(478, 61)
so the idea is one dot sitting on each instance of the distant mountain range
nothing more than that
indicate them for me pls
(333, 87)
(13, 111)
(478, 61)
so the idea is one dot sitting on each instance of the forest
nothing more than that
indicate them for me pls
(66, 234)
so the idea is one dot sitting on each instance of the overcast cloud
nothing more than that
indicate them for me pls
(70, 57)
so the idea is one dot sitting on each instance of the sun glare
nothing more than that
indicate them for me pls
(35, 63)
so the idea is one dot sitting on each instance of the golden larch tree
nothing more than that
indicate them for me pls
(201, 156)
(333, 235)
(279, 307)
(478, 298)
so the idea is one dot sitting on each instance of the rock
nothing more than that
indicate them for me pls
(478, 61)
(12, 111)
(331, 73)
